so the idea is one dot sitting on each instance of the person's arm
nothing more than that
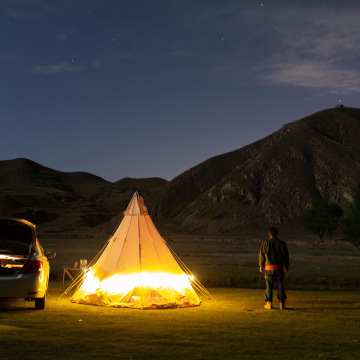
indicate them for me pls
(286, 258)
(261, 258)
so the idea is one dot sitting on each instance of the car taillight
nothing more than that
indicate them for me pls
(32, 267)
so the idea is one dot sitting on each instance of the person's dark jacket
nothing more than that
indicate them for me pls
(274, 255)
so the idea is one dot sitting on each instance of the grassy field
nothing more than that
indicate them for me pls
(317, 325)
(233, 262)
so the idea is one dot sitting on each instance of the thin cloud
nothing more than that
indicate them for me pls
(4, 56)
(28, 10)
(321, 53)
(64, 67)
(61, 36)
(315, 74)
(180, 53)
(127, 55)
(96, 63)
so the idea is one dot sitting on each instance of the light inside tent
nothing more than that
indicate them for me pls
(124, 283)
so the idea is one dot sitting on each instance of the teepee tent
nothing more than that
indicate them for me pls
(137, 269)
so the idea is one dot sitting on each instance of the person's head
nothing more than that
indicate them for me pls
(273, 232)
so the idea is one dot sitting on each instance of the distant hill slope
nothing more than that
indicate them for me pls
(70, 200)
(271, 180)
(268, 182)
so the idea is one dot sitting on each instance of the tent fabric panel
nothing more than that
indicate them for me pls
(108, 261)
(129, 261)
(150, 260)
(167, 259)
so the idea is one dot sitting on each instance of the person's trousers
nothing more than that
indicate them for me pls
(270, 278)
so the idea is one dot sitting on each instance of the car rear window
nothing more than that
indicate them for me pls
(18, 232)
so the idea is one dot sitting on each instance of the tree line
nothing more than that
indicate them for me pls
(325, 217)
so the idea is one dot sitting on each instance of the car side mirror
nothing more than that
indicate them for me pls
(50, 254)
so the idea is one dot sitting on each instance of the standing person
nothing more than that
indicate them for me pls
(274, 259)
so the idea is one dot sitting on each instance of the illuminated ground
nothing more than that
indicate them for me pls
(318, 325)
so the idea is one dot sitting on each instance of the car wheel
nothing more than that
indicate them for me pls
(40, 303)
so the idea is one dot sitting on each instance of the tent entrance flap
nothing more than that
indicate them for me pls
(137, 269)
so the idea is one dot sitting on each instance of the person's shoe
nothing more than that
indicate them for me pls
(268, 305)
(282, 306)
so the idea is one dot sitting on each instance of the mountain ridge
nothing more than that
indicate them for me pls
(270, 181)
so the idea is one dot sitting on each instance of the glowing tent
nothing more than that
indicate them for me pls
(137, 269)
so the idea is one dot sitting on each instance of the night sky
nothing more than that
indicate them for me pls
(152, 88)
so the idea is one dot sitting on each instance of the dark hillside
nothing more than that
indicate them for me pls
(44, 195)
(64, 200)
(117, 196)
(271, 180)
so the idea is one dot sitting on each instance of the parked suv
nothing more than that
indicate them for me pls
(24, 267)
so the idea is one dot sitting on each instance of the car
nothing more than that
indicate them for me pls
(24, 266)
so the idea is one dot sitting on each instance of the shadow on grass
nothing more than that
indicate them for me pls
(12, 305)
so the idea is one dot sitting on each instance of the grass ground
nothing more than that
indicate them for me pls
(317, 325)
(232, 262)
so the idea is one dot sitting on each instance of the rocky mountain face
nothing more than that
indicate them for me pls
(69, 200)
(268, 182)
